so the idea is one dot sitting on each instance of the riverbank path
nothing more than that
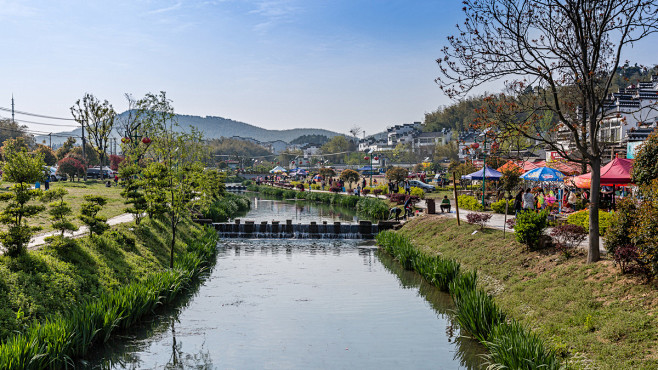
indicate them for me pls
(40, 240)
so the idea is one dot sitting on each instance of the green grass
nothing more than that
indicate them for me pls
(588, 313)
(55, 277)
(61, 338)
(75, 198)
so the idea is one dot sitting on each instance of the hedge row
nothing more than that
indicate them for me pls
(368, 207)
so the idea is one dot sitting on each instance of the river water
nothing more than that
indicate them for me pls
(300, 304)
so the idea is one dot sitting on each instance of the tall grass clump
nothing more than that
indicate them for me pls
(58, 340)
(478, 313)
(372, 208)
(511, 346)
(225, 207)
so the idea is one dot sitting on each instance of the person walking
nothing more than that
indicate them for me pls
(528, 200)
(518, 202)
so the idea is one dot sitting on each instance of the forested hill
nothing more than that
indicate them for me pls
(214, 128)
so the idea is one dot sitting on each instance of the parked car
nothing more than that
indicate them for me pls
(52, 173)
(419, 184)
(95, 173)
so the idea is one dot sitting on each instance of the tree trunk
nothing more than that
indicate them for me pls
(173, 243)
(593, 253)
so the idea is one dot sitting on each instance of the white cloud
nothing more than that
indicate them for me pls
(274, 12)
(167, 9)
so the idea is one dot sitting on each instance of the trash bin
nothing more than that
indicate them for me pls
(431, 206)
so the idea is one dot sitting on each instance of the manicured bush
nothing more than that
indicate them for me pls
(469, 202)
(499, 206)
(417, 192)
(401, 198)
(478, 219)
(625, 256)
(336, 189)
(581, 218)
(365, 191)
(618, 233)
(315, 186)
(529, 228)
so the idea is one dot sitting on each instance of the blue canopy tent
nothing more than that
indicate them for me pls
(543, 174)
(489, 174)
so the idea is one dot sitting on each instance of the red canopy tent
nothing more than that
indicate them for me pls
(567, 168)
(617, 172)
(527, 166)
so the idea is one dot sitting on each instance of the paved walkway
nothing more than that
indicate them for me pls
(83, 230)
(497, 221)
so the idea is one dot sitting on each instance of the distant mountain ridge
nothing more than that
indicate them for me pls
(212, 128)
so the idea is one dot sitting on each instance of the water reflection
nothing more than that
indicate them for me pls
(468, 351)
(268, 208)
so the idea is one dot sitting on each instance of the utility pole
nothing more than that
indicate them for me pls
(84, 144)
(12, 109)
(50, 140)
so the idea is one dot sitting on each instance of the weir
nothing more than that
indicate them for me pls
(312, 230)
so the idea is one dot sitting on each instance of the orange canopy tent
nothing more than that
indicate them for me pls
(510, 165)
(567, 168)
(617, 172)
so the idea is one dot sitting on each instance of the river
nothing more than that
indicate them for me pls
(300, 304)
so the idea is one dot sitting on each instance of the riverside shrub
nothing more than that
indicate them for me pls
(372, 208)
(568, 237)
(617, 234)
(581, 218)
(499, 206)
(417, 192)
(469, 202)
(529, 228)
(478, 219)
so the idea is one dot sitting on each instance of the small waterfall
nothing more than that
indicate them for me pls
(288, 230)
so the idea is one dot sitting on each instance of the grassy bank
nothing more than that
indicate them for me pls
(589, 314)
(47, 294)
(367, 207)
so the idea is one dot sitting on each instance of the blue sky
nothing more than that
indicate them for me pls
(276, 64)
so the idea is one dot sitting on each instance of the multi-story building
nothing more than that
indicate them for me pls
(631, 109)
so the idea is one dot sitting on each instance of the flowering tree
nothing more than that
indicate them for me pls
(558, 58)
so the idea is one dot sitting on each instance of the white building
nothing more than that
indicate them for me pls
(628, 110)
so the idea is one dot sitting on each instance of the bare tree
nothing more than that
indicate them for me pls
(355, 131)
(557, 56)
(98, 118)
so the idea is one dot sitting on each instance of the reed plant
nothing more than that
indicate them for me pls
(58, 340)
(510, 345)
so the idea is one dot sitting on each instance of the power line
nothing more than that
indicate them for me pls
(35, 114)
(46, 124)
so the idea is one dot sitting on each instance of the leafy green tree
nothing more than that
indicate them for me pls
(64, 150)
(49, 156)
(449, 150)
(133, 191)
(337, 147)
(11, 130)
(397, 174)
(23, 169)
(98, 118)
(327, 172)
(645, 167)
(349, 176)
(154, 183)
(89, 214)
(59, 210)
